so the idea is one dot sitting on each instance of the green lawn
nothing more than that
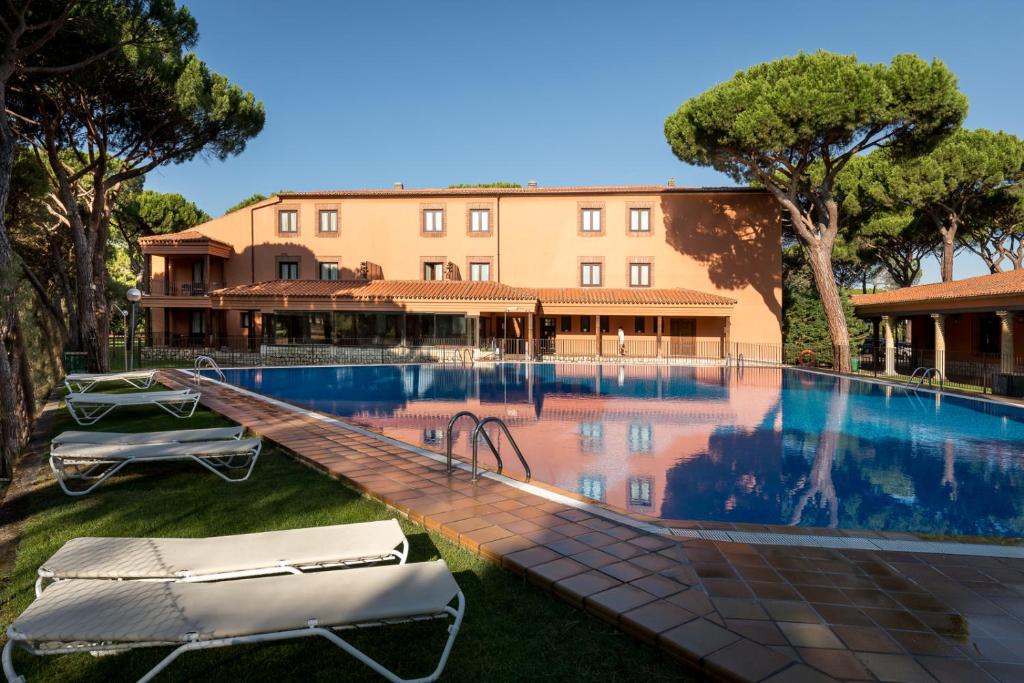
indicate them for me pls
(512, 631)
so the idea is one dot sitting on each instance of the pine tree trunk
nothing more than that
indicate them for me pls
(947, 257)
(10, 410)
(831, 303)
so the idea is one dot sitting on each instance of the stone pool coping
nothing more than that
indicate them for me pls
(729, 610)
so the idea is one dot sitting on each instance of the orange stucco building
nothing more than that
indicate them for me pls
(681, 270)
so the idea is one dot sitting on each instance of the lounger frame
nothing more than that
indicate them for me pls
(97, 470)
(83, 382)
(400, 553)
(87, 413)
(183, 436)
(195, 643)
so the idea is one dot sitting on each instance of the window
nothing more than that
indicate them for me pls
(605, 324)
(591, 436)
(328, 271)
(433, 220)
(288, 221)
(329, 220)
(246, 320)
(433, 270)
(585, 324)
(639, 220)
(590, 220)
(640, 489)
(639, 324)
(566, 323)
(479, 220)
(198, 323)
(592, 487)
(479, 272)
(639, 274)
(641, 437)
(288, 270)
(590, 274)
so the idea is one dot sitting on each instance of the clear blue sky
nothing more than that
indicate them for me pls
(363, 94)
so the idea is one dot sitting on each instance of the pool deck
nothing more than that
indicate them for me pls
(726, 610)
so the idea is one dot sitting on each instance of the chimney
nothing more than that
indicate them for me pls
(671, 182)
(399, 185)
(532, 184)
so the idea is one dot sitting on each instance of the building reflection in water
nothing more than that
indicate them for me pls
(758, 445)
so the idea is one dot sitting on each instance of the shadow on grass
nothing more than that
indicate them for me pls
(511, 632)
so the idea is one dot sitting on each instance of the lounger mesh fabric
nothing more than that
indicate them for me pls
(155, 612)
(168, 558)
(155, 451)
(134, 398)
(171, 436)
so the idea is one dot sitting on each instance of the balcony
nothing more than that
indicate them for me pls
(159, 287)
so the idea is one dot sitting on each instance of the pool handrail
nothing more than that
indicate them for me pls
(207, 362)
(479, 429)
(449, 442)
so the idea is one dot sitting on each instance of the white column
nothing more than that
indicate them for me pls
(940, 343)
(890, 345)
(1005, 342)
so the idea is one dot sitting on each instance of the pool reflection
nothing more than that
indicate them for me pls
(758, 445)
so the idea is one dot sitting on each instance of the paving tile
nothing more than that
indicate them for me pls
(592, 557)
(695, 639)
(947, 670)
(623, 550)
(625, 571)
(788, 610)
(567, 546)
(745, 660)
(842, 614)
(546, 574)
(647, 621)
(739, 608)
(692, 600)
(575, 588)
(654, 562)
(799, 673)
(810, 635)
(610, 604)
(919, 643)
(763, 632)
(727, 588)
(652, 542)
(895, 619)
(519, 562)
(497, 549)
(895, 668)
(772, 590)
(659, 585)
(1004, 673)
(867, 639)
(837, 663)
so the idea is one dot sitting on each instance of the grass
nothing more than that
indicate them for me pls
(512, 631)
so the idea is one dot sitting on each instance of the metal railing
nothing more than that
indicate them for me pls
(922, 375)
(479, 429)
(205, 362)
(161, 287)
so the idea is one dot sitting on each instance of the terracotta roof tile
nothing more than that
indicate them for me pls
(999, 284)
(183, 236)
(457, 290)
(504, 191)
(634, 295)
(382, 290)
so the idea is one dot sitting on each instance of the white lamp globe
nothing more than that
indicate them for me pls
(133, 295)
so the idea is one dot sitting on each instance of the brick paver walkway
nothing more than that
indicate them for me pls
(728, 610)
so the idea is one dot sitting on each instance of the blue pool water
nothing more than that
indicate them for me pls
(758, 445)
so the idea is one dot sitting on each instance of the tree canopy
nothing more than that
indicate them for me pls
(248, 201)
(945, 185)
(793, 124)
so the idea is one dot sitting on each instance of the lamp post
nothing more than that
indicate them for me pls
(134, 296)
(124, 316)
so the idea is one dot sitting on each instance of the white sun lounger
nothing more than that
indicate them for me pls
(135, 438)
(84, 381)
(218, 558)
(116, 616)
(88, 408)
(96, 464)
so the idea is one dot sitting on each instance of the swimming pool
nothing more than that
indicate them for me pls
(753, 445)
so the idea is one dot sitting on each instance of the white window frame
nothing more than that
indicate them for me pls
(332, 225)
(587, 273)
(336, 270)
(478, 268)
(436, 270)
(289, 218)
(640, 219)
(639, 274)
(590, 220)
(479, 220)
(433, 220)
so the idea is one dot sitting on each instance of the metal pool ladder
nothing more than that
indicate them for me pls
(207, 362)
(926, 374)
(478, 431)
